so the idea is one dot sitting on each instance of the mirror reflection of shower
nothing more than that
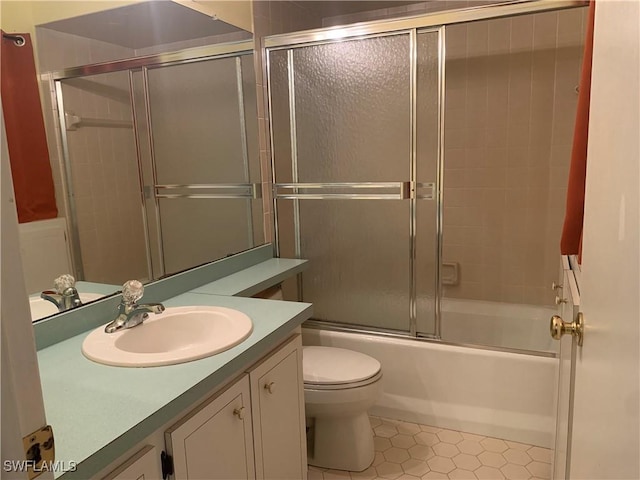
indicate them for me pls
(158, 159)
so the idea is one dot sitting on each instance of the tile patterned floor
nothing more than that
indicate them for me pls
(410, 451)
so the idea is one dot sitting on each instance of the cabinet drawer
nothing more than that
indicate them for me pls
(215, 441)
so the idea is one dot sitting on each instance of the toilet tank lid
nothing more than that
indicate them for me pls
(323, 365)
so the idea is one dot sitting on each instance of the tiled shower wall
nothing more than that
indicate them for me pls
(104, 166)
(510, 110)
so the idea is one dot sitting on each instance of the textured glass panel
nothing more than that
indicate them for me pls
(104, 177)
(195, 119)
(358, 253)
(280, 125)
(249, 92)
(426, 261)
(353, 109)
(427, 140)
(195, 231)
(428, 107)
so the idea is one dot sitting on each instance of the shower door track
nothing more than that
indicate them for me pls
(436, 19)
(316, 324)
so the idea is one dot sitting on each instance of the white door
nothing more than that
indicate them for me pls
(606, 431)
(22, 405)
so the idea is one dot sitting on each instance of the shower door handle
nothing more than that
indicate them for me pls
(559, 327)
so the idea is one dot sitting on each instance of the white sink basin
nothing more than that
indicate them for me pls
(178, 335)
(42, 308)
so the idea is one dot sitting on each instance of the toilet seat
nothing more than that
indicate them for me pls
(342, 386)
(331, 368)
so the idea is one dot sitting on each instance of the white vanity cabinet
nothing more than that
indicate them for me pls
(277, 408)
(255, 428)
(215, 441)
(144, 465)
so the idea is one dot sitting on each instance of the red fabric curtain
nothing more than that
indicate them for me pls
(26, 139)
(571, 242)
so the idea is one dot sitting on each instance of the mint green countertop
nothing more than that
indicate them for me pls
(254, 279)
(99, 412)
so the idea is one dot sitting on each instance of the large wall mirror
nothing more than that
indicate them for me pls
(158, 146)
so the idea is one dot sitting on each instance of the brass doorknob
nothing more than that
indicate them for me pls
(559, 327)
(555, 286)
(270, 387)
(239, 412)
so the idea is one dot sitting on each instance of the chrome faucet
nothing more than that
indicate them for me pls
(65, 296)
(130, 314)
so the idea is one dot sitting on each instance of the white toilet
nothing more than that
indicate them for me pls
(339, 387)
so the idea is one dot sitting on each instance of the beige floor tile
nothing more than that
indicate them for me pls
(492, 459)
(389, 470)
(466, 462)
(403, 441)
(445, 450)
(494, 445)
(421, 452)
(416, 467)
(396, 455)
(470, 447)
(449, 436)
(441, 464)
(488, 473)
(539, 469)
(515, 472)
(408, 428)
(459, 474)
(518, 457)
(369, 474)
(435, 476)
(540, 454)
(426, 438)
(410, 451)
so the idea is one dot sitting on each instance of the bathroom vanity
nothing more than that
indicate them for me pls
(236, 414)
(251, 428)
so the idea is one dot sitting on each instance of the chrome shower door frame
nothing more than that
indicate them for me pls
(407, 190)
(249, 191)
(413, 26)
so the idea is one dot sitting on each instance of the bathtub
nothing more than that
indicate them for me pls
(506, 325)
(492, 393)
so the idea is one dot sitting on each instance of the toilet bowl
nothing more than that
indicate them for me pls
(339, 387)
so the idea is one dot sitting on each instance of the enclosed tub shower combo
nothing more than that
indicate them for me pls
(420, 165)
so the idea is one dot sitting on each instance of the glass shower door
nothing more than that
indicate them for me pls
(204, 164)
(108, 239)
(341, 126)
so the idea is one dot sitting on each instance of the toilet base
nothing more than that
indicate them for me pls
(342, 443)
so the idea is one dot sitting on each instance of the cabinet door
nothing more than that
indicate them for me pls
(277, 402)
(144, 465)
(215, 441)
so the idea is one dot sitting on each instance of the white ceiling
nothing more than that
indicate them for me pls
(144, 24)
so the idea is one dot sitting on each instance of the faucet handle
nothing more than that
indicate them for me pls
(63, 282)
(132, 291)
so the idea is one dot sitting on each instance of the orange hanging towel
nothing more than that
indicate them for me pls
(26, 139)
(571, 242)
